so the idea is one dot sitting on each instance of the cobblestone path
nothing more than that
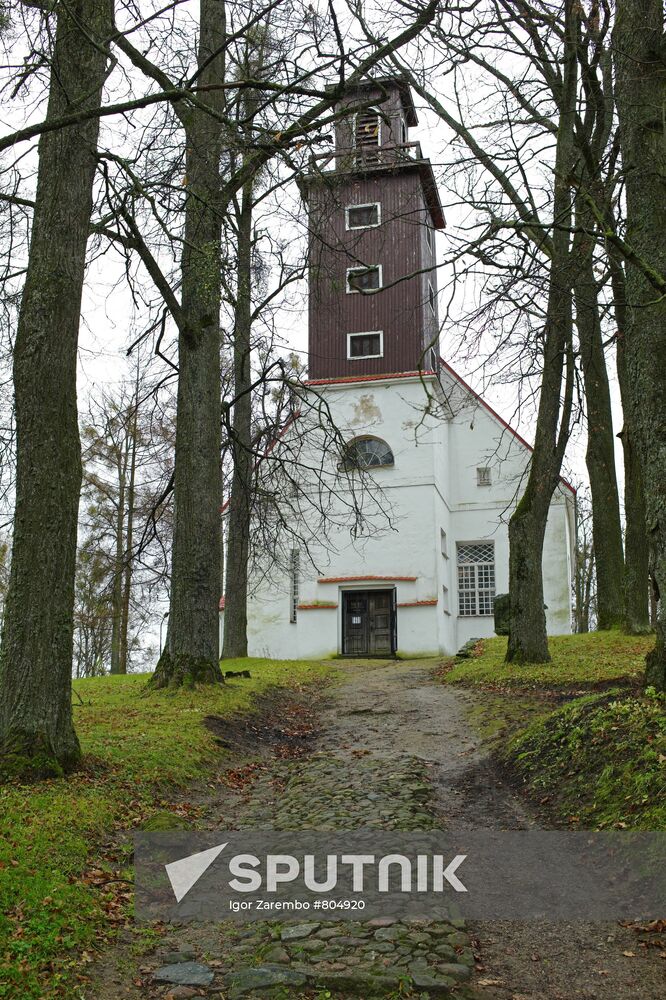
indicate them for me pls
(392, 750)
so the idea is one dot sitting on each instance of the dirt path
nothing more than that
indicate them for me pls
(441, 774)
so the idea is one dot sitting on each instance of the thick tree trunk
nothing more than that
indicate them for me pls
(36, 728)
(528, 640)
(240, 504)
(600, 455)
(636, 550)
(192, 655)
(641, 97)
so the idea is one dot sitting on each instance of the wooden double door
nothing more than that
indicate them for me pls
(369, 623)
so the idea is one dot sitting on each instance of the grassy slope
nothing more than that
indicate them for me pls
(53, 901)
(600, 760)
(577, 661)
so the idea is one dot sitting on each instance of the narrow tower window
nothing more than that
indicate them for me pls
(367, 128)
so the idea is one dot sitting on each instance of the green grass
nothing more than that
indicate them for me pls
(599, 761)
(137, 747)
(578, 661)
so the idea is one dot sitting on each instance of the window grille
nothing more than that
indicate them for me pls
(294, 571)
(366, 453)
(476, 578)
(484, 477)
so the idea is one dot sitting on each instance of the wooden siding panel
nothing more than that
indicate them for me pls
(401, 309)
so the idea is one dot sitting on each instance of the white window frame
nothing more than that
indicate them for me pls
(432, 299)
(367, 267)
(428, 236)
(370, 225)
(476, 590)
(366, 333)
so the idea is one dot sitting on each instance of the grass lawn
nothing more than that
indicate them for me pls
(55, 897)
(598, 761)
(578, 661)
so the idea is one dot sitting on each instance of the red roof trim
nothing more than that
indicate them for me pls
(496, 415)
(366, 378)
(317, 607)
(222, 603)
(418, 604)
(352, 579)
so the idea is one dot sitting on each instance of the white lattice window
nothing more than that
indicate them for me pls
(294, 574)
(476, 578)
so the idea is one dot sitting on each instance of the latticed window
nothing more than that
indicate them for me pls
(476, 578)
(294, 574)
(366, 453)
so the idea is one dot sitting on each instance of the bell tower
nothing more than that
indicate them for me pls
(373, 207)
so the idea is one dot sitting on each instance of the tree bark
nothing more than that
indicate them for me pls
(639, 47)
(36, 727)
(240, 504)
(600, 454)
(528, 639)
(636, 551)
(192, 654)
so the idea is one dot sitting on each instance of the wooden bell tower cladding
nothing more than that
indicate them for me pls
(372, 208)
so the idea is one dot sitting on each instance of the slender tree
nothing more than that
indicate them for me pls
(36, 656)
(638, 40)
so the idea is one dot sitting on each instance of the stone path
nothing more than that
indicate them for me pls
(394, 750)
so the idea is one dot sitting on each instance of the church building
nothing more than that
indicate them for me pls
(396, 540)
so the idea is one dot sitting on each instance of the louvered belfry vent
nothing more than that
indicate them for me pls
(372, 205)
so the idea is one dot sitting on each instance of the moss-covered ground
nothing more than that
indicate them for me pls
(62, 882)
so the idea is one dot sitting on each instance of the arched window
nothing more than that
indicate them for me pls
(366, 453)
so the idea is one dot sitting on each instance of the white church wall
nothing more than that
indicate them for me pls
(432, 489)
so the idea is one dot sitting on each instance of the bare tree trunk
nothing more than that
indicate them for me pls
(600, 455)
(119, 554)
(240, 504)
(37, 647)
(192, 654)
(641, 98)
(528, 639)
(129, 537)
(636, 551)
